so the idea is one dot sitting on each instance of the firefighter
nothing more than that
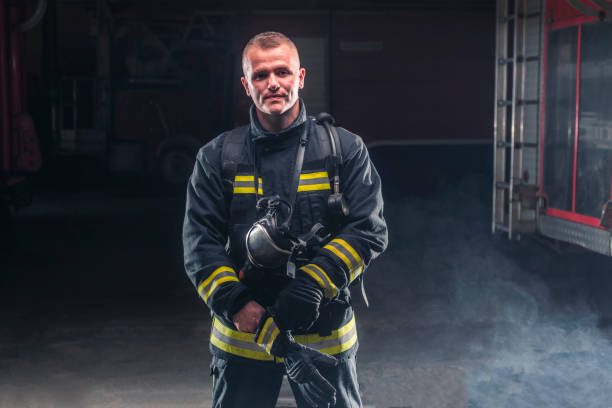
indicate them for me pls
(282, 216)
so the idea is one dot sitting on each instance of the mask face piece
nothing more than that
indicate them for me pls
(268, 243)
(263, 251)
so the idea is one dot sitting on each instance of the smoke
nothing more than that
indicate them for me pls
(479, 321)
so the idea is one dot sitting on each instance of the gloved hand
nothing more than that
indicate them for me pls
(297, 305)
(300, 363)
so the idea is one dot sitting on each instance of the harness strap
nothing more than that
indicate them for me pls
(299, 161)
(232, 153)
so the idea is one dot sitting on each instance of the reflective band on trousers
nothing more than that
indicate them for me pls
(243, 345)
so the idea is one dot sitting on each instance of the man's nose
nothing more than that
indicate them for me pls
(273, 82)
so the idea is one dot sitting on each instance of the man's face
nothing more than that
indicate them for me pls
(272, 78)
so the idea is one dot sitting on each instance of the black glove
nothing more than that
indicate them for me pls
(297, 305)
(300, 363)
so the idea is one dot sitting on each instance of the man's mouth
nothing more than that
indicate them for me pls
(274, 96)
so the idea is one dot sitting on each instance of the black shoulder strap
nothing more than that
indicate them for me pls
(324, 142)
(327, 151)
(232, 153)
(334, 133)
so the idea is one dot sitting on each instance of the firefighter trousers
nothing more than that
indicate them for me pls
(238, 384)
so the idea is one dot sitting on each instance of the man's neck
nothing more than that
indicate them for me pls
(276, 124)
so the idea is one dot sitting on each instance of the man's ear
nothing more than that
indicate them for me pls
(302, 76)
(245, 85)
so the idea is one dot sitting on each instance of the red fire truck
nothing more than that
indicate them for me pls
(553, 121)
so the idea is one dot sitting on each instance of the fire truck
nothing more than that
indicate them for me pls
(553, 121)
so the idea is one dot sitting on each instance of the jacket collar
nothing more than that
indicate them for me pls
(258, 133)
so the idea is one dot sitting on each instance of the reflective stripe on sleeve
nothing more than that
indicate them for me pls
(314, 181)
(242, 344)
(220, 275)
(268, 334)
(244, 184)
(329, 289)
(347, 254)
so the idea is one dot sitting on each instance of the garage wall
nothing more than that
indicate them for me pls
(420, 77)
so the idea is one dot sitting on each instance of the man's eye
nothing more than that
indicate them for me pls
(282, 73)
(259, 76)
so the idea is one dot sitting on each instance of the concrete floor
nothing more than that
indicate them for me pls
(96, 310)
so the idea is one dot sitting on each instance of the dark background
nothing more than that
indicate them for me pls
(96, 310)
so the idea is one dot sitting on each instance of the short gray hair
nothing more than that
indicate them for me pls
(267, 40)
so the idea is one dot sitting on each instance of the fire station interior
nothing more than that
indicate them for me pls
(105, 102)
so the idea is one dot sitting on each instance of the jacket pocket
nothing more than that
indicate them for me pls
(242, 209)
(311, 208)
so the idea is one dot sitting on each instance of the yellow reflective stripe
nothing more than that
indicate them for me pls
(327, 344)
(314, 187)
(355, 264)
(350, 249)
(329, 281)
(341, 347)
(345, 329)
(264, 331)
(308, 176)
(232, 333)
(312, 340)
(247, 190)
(272, 338)
(340, 255)
(355, 274)
(249, 348)
(217, 283)
(314, 276)
(255, 355)
(242, 189)
(212, 276)
(329, 288)
(268, 334)
(246, 178)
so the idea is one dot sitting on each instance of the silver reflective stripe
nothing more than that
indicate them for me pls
(243, 344)
(218, 276)
(235, 342)
(322, 180)
(243, 184)
(268, 333)
(350, 259)
(330, 291)
(334, 342)
(354, 264)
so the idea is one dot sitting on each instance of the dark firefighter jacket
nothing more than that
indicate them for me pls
(219, 212)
